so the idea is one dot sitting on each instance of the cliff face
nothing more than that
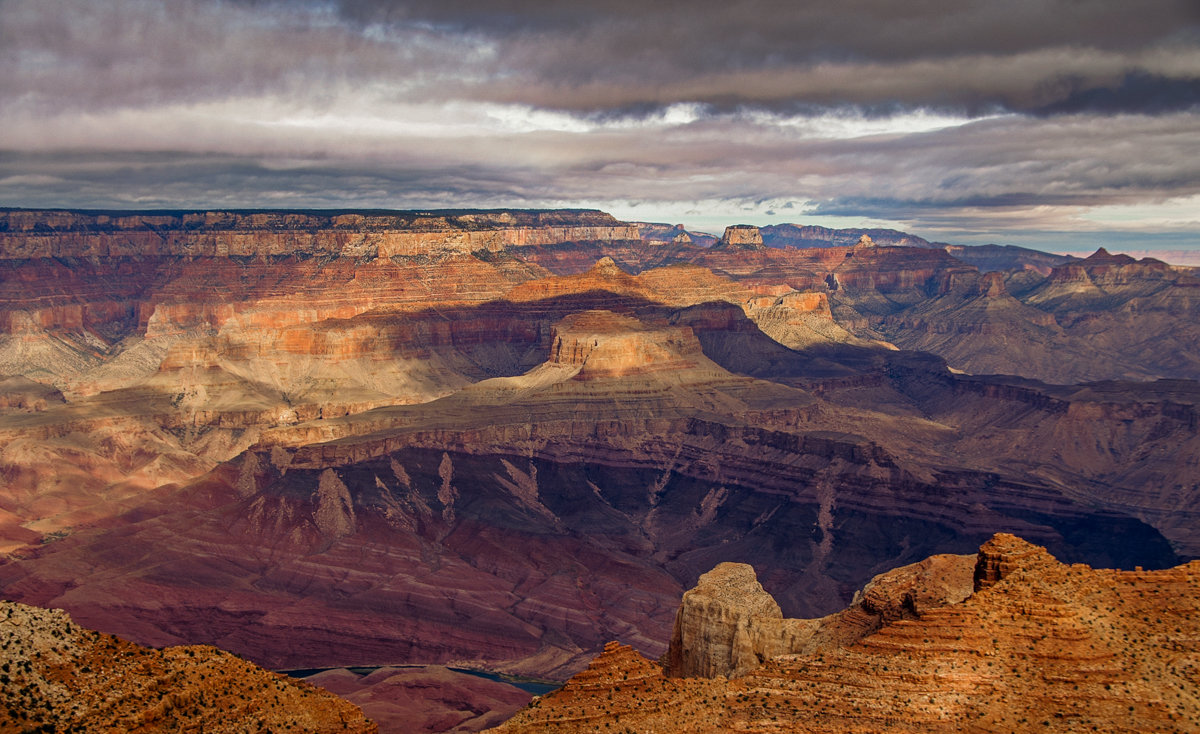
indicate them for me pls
(1102, 317)
(791, 235)
(740, 237)
(594, 488)
(713, 628)
(58, 676)
(728, 626)
(176, 338)
(1041, 646)
(191, 351)
(510, 453)
(110, 273)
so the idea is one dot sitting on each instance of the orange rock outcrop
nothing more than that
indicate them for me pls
(741, 237)
(1040, 646)
(57, 676)
(728, 625)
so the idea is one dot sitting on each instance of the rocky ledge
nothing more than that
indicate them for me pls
(57, 676)
(1040, 646)
(728, 625)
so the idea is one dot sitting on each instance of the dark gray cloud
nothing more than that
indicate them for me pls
(1007, 163)
(787, 30)
(1146, 93)
(970, 54)
(611, 55)
(963, 116)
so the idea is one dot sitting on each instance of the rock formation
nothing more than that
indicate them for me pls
(1041, 646)
(992, 258)
(727, 625)
(791, 235)
(605, 344)
(712, 633)
(503, 438)
(741, 237)
(58, 676)
(655, 232)
(1102, 317)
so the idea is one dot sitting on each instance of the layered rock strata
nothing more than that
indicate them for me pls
(623, 466)
(1102, 317)
(509, 445)
(740, 237)
(1041, 646)
(727, 625)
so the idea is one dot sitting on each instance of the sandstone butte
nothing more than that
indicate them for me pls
(1038, 646)
(56, 676)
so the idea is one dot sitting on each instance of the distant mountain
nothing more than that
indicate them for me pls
(795, 235)
(989, 258)
(985, 257)
(651, 231)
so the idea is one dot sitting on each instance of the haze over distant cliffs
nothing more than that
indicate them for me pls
(501, 439)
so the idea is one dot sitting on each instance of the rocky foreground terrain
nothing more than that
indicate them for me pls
(499, 439)
(1038, 646)
(57, 676)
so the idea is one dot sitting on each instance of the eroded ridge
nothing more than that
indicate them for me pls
(58, 676)
(1040, 646)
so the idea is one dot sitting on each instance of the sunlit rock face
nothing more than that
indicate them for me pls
(1039, 645)
(728, 626)
(505, 438)
(741, 237)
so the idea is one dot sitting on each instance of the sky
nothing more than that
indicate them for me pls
(1057, 124)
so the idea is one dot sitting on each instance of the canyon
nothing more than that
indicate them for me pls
(497, 440)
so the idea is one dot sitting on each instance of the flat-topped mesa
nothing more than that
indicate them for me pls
(741, 237)
(606, 344)
(62, 221)
(807, 236)
(1005, 554)
(41, 234)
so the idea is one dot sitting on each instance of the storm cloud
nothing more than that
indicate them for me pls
(967, 120)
